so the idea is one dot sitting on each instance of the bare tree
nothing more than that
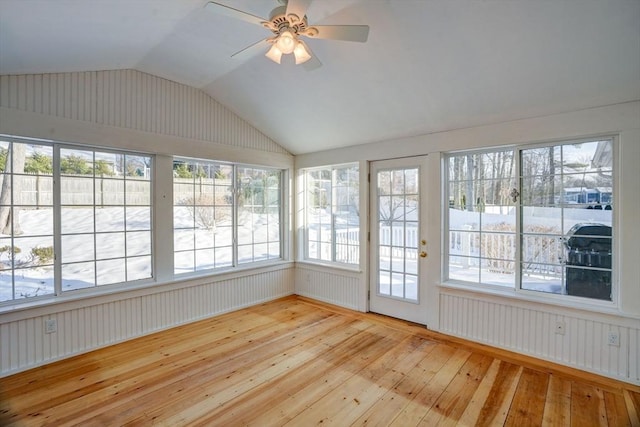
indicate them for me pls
(14, 164)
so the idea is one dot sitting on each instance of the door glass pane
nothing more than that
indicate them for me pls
(397, 216)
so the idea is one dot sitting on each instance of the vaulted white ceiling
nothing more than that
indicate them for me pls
(428, 66)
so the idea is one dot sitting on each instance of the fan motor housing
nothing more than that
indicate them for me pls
(279, 21)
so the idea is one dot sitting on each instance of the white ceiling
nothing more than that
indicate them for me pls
(428, 66)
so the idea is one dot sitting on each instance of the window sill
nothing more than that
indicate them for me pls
(324, 266)
(562, 302)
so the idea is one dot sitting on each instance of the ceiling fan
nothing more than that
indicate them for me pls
(288, 22)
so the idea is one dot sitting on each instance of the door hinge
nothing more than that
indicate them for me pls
(368, 236)
(369, 295)
(368, 177)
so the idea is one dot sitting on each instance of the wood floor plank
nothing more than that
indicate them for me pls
(451, 404)
(632, 403)
(527, 407)
(617, 414)
(490, 403)
(301, 362)
(587, 405)
(557, 408)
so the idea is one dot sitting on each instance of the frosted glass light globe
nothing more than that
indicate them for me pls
(286, 42)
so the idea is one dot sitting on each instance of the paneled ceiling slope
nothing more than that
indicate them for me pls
(428, 66)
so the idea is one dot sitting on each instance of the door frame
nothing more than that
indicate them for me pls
(416, 312)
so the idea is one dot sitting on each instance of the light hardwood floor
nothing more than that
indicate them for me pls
(298, 362)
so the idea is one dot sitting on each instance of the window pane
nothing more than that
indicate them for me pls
(33, 282)
(76, 191)
(138, 218)
(482, 218)
(76, 220)
(34, 222)
(567, 224)
(332, 213)
(183, 262)
(110, 219)
(26, 239)
(205, 240)
(138, 243)
(223, 256)
(109, 191)
(111, 271)
(137, 191)
(258, 211)
(77, 247)
(78, 276)
(205, 259)
(183, 240)
(76, 162)
(139, 268)
(105, 193)
(109, 245)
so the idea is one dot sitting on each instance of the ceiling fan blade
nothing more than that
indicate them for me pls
(234, 13)
(251, 50)
(297, 7)
(351, 33)
(313, 62)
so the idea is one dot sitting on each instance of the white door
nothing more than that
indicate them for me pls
(398, 243)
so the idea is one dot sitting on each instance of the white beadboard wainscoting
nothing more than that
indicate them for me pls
(86, 325)
(531, 329)
(330, 285)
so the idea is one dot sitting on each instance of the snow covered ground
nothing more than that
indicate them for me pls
(258, 238)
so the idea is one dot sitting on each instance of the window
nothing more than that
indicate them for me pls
(91, 207)
(259, 209)
(225, 215)
(332, 217)
(534, 218)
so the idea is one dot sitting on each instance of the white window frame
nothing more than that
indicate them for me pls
(235, 262)
(57, 205)
(517, 290)
(355, 248)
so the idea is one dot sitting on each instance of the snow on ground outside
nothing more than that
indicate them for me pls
(37, 226)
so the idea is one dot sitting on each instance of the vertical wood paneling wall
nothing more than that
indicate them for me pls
(134, 100)
(23, 343)
(331, 286)
(532, 331)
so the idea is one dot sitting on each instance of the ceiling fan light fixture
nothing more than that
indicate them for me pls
(301, 53)
(286, 42)
(274, 54)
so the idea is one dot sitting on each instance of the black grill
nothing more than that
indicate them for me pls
(588, 269)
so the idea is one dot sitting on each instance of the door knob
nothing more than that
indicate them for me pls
(423, 254)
